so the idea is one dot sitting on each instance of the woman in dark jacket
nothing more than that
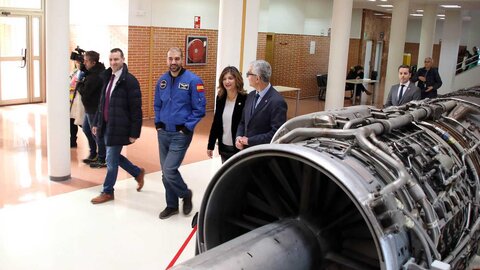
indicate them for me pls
(228, 113)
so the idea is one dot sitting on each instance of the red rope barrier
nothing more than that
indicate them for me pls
(179, 252)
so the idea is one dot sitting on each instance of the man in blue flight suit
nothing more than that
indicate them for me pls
(179, 105)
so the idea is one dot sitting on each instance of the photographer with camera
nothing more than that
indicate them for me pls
(91, 88)
(77, 112)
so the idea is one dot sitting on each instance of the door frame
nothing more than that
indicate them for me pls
(30, 58)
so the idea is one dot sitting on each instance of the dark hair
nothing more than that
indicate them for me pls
(93, 56)
(238, 81)
(114, 50)
(357, 68)
(405, 66)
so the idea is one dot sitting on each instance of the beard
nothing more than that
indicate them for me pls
(175, 68)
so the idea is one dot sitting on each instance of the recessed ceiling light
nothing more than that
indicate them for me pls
(441, 18)
(372, 0)
(386, 6)
(441, 15)
(450, 6)
(383, 0)
(419, 10)
(416, 15)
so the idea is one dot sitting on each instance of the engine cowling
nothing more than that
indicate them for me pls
(356, 188)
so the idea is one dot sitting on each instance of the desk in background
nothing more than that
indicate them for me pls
(281, 89)
(355, 82)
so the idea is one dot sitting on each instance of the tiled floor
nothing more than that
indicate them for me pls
(53, 225)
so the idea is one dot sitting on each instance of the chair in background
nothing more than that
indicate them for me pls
(322, 86)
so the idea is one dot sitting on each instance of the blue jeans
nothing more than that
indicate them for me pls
(93, 141)
(115, 159)
(173, 147)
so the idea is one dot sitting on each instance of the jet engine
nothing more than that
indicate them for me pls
(354, 188)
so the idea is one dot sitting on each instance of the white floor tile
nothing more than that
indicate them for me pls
(68, 232)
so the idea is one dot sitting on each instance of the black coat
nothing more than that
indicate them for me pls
(268, 116)
(124, 111)
(216, 131)
(432, 79)
(91, 87)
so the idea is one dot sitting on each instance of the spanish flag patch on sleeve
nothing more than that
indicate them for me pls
(200, 88)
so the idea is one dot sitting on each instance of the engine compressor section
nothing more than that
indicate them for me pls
(355, 188)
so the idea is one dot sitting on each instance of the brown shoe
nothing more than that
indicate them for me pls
(103, 197)
(140, 180)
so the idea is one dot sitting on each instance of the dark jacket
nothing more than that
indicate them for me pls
(216, 131)
(91, 87)
(432, 79)
(267, 118)
(124, 111)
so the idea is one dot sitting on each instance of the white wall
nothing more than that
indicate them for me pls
(474, 34)
(106, 13)
(356, 26)
(286, 16)
(469, 31)
(178, 13)
(318, 17)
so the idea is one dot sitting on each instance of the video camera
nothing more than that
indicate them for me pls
(77, 54)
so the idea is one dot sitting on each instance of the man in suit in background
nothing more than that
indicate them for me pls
(405, 91)
(428, 79)
(265, 109)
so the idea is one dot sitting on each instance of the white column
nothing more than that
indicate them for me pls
(252, 13)
(452, 32)
(427, 34)
(396, 47)
(57, 70)
(229, 35)
(338, 56)
(237, 35)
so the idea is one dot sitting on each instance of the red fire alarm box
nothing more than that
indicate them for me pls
(196, 22)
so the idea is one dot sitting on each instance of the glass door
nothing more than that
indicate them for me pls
(20, 58)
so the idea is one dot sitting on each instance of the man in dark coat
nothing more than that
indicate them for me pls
(90, 88)
(428, 79)
(118, 121)
(265, 109)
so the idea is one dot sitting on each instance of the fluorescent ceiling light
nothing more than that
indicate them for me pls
(386, 6)
(440, 15)
(378, 14)
(372, 0)
(383, 0)
(416, 15)
(386, 17)
(419, 10)
(450, 6)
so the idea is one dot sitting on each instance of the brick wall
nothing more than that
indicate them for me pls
(148, 47)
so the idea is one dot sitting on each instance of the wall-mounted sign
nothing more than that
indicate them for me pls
(196, 22)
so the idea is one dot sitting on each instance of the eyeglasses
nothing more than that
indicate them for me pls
(251, 74)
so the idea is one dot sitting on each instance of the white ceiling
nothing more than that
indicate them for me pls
(469, 7)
